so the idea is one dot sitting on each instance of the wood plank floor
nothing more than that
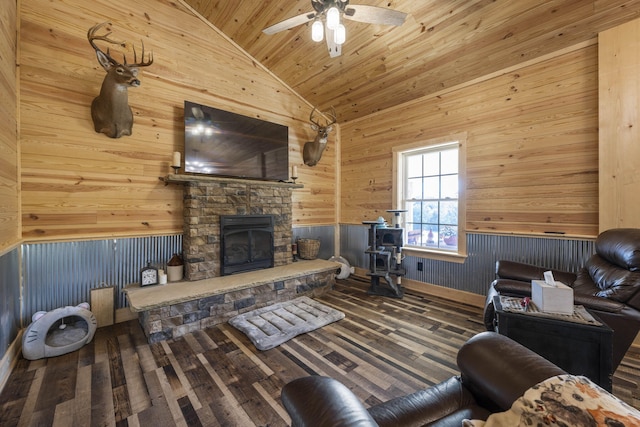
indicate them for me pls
(383, 348)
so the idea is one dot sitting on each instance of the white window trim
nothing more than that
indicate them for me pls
(398, 186)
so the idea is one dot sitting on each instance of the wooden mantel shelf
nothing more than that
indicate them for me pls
(181, 178)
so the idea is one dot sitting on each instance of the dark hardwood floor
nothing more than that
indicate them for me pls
(383, 348)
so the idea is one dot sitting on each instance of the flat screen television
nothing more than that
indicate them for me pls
(222, 143)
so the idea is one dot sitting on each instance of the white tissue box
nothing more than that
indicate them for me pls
(552, 299)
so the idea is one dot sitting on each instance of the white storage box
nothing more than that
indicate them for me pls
(552, 299)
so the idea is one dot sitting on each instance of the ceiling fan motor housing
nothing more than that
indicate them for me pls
(322, 6)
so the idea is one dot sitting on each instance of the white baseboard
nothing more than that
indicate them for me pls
(9, 360)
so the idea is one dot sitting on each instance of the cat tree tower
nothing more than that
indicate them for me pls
(385, 257)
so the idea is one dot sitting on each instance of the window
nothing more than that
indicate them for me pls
(428, 185)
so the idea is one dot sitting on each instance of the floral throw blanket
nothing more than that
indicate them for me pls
(564, 401)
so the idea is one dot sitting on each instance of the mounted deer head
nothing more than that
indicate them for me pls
(110, 110)
(313, 150)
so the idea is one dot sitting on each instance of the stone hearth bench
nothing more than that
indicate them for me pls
(178, 308)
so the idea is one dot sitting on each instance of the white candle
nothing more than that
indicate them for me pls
(176, 159)
(294, 172)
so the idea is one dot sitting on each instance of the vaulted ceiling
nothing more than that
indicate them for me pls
(441, 44)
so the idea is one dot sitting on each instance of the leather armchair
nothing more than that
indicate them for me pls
(608, 285)
(494, 372)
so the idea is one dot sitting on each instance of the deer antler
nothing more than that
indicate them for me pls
(332, 115)
(315, 122)
(91, 36)
(135, 58)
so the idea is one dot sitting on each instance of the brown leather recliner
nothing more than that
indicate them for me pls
(494, 372)
(608, 285)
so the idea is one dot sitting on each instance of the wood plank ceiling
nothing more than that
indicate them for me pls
(442, 43)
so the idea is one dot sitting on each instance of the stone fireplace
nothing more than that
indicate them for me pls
(209, 298)
(207, 199)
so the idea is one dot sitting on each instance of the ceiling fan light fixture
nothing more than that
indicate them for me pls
(340, 34)
(317, 31)
(333, 18)
(326, 21)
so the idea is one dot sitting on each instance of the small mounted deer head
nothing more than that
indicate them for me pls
(312, 151)
(110, 110)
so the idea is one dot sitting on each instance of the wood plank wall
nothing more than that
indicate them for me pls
(9, 188)
(619, 52)
(532, 147)
(80, 184)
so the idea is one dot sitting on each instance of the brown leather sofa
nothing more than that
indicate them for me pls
(608, 285)
(494, 372)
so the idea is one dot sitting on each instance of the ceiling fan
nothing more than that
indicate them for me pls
(327, 19)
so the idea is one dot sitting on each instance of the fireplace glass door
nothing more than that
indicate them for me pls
(247, 243)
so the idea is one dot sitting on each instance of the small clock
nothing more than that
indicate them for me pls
(148, 275)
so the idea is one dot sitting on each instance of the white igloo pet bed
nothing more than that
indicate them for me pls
(58, 332)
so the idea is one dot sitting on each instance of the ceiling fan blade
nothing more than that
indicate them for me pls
(290, 23)
(374, 15)
(334, 48)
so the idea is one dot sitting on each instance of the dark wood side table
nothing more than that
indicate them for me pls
(577, 348)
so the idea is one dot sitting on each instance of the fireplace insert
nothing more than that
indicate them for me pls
(247, 243)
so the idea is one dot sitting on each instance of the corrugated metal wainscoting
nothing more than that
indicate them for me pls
(9, 299)
(478, 271)
(60, 274)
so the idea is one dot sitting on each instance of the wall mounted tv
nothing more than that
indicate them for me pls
(222, 143)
